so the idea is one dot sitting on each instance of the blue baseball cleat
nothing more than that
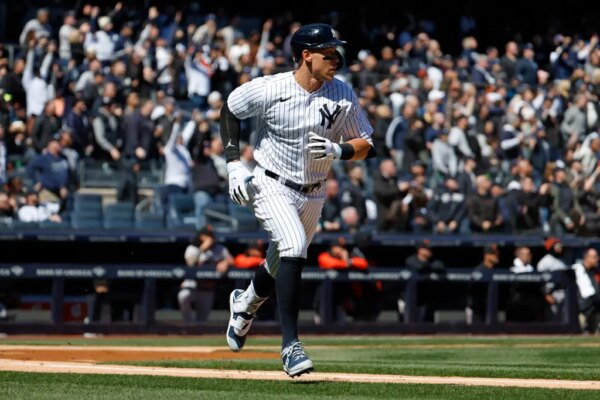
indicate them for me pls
(295, 361)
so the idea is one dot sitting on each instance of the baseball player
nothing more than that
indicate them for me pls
(302, 116)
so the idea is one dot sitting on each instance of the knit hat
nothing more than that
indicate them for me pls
(550, 242)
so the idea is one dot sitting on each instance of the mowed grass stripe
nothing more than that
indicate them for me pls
(16, 385)
(553, 363)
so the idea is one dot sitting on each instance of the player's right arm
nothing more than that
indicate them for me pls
(244, 102)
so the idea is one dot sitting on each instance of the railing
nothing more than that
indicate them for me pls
(385, 239)
(149, 273)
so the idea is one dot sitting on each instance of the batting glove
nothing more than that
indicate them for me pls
(239, 177)
(321, 148)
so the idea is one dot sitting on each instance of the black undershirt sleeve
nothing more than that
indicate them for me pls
(230, 134)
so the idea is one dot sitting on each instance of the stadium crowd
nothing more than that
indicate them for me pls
(491, 140)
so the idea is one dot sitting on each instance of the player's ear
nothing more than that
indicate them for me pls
(306, 55)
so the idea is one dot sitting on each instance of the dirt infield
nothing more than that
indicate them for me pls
(94, 354)
(83, 359)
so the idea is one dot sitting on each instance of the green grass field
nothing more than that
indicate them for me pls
(58, 386)
(568, 358)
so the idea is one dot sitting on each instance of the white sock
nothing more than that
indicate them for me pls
(250, 301)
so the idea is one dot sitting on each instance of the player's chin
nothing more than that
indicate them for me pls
(330, 75)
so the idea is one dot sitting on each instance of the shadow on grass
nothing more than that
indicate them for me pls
(308, 383)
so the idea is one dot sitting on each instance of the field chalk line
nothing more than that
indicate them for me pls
(89, 368)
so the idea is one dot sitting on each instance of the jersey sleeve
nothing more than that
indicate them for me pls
(356, 124)
(247, 100)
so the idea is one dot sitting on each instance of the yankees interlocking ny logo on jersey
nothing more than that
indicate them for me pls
(286, 113)
(329, 117)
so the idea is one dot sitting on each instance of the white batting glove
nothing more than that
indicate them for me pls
(321, 148)
(239, 177)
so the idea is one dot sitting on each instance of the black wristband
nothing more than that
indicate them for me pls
(230, 134)
(347, 151)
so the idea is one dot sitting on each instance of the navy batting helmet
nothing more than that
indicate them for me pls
(315, 36)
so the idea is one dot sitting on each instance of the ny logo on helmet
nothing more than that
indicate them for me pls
(328, 116)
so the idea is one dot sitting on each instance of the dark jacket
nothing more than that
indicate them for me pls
(51, 171)
(447, 206)
(481, 208)
(139, 132)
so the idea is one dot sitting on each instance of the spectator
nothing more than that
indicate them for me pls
(103, 41)
(589, 201)
(198, 71)
(353, 192)
(527, 204)
(525, 301)
(448, 208)
(388, 194)
(37, 91)
(50, 172)
(397, 131)
(566, 210)
(204, 251)
(443, 157)
(554, 293)
(252, 257)
(483, 209)
(178, 161)
(588, 153)
(457, 138)
(423, 262)
(477, 298)
(586, 272)
(207, 184)
(7, 210)
(66, 32)
(574, 125)
(46, 126)
(508, 62)
(34, 211)
(526, 67)
(332, 208)
(358, 300)
(107, 132)
(3, 156)
(36, 28)
(78, 123)
(522, 261)
(139, 131)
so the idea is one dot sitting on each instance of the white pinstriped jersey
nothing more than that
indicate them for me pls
(286, 113)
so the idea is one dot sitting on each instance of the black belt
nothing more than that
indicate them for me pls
(293, 185)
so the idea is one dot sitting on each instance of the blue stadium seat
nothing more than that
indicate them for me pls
(118, 223)
(87, 201)
(149, 220)
(85, 220)
(16, 224)
(247, 222)
(181, 211)
(55, 225)
(122, 209)
(91, 213)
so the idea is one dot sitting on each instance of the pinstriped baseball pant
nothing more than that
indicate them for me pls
(290, 217)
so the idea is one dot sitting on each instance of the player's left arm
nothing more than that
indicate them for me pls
(361, 149)
(357, 131)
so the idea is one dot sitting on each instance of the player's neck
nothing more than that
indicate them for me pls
(307, 81)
